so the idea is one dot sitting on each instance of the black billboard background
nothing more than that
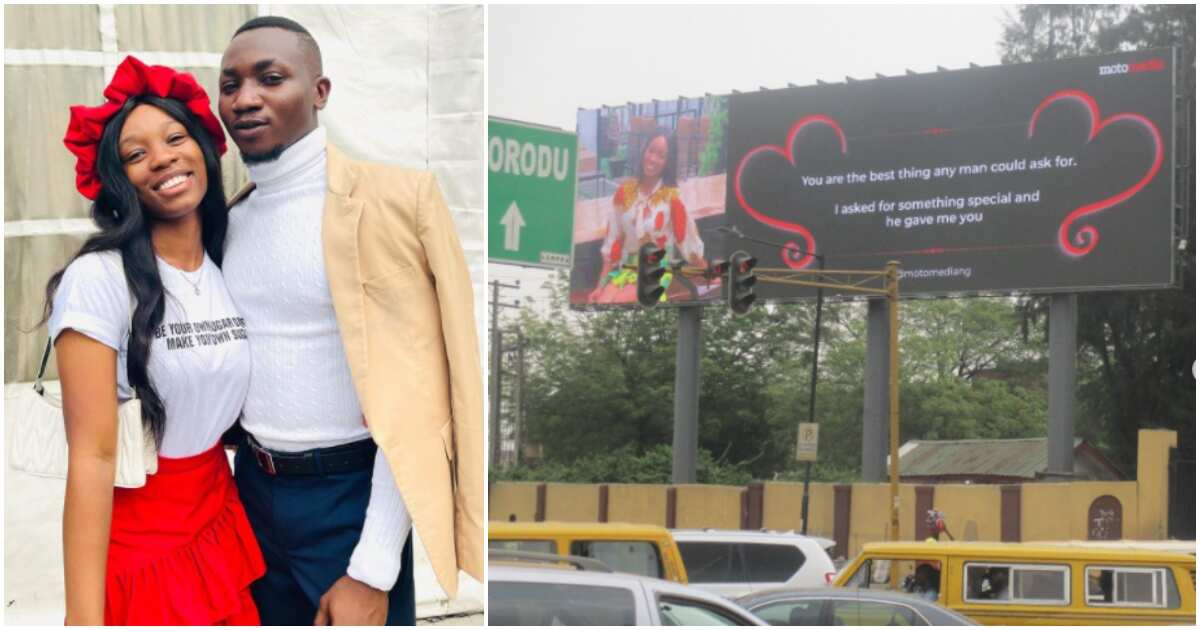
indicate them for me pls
(952, 119)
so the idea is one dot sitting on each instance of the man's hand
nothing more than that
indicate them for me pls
(351, 603)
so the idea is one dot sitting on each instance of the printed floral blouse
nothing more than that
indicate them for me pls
(660, 217)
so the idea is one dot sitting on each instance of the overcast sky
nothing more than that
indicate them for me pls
(546, 62)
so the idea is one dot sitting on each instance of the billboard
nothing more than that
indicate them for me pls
(1053, 176)
(649, 172)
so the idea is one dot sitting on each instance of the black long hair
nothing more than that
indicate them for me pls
(125, 226)
(670, 173)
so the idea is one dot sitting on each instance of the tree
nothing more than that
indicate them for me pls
(602, 381)
(602, 384)
(1136, 347)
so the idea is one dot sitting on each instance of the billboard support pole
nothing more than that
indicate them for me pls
(875, 393)
(687, 397)
(1060, 445)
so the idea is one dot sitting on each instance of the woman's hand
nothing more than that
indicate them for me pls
(601, 283)
(88, 371)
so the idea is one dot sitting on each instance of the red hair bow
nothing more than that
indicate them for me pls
(133, 78)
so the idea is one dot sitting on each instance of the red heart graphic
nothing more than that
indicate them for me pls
(793, 255)
(1088, 236)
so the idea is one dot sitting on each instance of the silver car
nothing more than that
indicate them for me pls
(848, 607)
(529, 595)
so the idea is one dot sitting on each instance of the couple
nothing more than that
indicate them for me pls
(328, 305)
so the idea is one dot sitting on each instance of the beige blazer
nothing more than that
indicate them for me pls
(405, 310)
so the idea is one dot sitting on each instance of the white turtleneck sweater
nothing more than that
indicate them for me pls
(301, 393)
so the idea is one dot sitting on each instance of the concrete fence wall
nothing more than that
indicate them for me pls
(855, 514)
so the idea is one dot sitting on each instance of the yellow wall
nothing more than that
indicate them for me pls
(1049, 511)
(1154, 450)
(869, 515)
(637, 503)
(576, 502)
(908, 507)
(1058, 511)
(699, 505)
(1043, 515)
(782, 502)
(966, 504)
(1084, 492)
(515, 498)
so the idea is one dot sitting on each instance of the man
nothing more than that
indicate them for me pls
(927, 582)
(364, 414)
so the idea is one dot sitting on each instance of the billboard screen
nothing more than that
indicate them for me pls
(648, 172)
(1053, 176)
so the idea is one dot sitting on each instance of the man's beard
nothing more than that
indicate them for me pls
(266, 156)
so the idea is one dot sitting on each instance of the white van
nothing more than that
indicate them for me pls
(734, 563)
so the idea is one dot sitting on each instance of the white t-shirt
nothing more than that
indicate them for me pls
(199, 359)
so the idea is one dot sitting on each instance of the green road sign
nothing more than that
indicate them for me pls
(531, 194)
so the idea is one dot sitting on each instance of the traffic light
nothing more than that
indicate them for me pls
(717, 268)
(741, 281)
(649, 274)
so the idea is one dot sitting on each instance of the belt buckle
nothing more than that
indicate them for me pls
(265, 461)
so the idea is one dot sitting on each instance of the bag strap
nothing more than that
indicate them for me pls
(37, 385)
(41, 389)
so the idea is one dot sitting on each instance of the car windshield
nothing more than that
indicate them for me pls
(626, 556)
(919, 577)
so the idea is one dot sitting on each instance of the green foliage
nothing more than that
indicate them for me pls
(1136, 347)
(600, 385)
(625, 465)
(718, 119)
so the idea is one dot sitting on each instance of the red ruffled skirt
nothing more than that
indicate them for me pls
(182, 551)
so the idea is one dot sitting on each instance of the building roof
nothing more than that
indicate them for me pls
(1025, 457)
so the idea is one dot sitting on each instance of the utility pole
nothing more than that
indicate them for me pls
(494, 375)
(519, 423)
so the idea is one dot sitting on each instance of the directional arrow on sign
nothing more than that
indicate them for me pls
(512, 222)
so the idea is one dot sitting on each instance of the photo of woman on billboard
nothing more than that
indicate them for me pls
(647, 209)
(649, 173)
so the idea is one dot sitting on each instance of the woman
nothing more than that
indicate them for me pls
(647, 209)
(143, 308)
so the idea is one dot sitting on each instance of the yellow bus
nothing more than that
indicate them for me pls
(629, 548)
(1018, 584)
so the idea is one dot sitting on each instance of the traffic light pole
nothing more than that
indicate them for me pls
(812, 396)
(687, 397)
(856, 281)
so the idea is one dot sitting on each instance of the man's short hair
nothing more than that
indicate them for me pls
(287, 24)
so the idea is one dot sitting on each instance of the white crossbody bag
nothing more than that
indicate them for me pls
(38, 443)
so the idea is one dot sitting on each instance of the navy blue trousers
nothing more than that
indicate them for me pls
(307, 527)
